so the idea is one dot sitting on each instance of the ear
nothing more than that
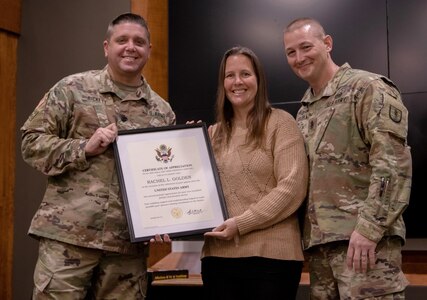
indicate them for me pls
(105, 44)
(327, 40)
(149, 50)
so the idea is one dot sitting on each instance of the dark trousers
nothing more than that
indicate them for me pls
(250, 278)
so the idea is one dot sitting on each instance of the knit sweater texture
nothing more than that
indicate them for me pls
(263, 188)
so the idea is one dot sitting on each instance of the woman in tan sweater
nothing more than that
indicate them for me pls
(259, 150)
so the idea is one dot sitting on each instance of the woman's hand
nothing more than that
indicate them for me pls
(159, 239)
(226, 231)
(192, 122)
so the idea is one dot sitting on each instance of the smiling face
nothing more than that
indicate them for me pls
(240, 82)
(127, 51)
(307, 51)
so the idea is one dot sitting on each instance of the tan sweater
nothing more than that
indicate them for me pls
(263, 189)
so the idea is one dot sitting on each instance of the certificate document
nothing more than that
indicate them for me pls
(169, 181)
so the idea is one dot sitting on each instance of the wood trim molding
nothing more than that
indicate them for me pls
(10, 27)
(8, 63)
(10, 15)
(155, 13)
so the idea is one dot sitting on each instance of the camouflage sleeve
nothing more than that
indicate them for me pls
(170, 116)
(164, 107)
(383, 123)
(46, 142)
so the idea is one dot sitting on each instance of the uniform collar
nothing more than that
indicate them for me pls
(330, 89)
(108, 86)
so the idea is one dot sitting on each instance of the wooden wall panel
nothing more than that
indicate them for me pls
(156, 14)
(10, 26)
(8, 58)
(10, 15)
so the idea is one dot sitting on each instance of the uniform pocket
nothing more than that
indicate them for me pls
(42, 276)
(143, 285)
(322, 129)
(386, 277)
(85, 121)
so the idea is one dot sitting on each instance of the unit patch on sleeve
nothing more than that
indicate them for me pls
(395, 114)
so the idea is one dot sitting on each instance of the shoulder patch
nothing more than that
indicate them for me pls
(395, 114)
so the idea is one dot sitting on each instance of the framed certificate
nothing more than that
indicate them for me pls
(169, 181)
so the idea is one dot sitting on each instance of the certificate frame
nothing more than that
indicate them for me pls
(169, 181)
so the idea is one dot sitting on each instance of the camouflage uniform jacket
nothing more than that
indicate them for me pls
(355, 133)
(82, 204)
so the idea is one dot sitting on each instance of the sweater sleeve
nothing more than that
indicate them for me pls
(291, 174)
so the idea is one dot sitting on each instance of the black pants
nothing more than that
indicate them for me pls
(250, 278)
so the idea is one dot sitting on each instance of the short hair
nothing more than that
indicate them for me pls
(127, 18)
(301, 22)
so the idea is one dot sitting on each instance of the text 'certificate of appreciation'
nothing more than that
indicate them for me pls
(168, 181)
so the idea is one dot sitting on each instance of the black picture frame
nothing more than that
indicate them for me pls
(169, 181)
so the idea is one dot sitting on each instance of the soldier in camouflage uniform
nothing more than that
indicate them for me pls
(84, 239)
(355, 129)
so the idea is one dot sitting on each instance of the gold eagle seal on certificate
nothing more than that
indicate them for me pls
(164, 154)
(176, 212)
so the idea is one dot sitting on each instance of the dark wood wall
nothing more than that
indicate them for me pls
(156, 70)
(10, 25)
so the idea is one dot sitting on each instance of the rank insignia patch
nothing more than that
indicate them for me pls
(395, 114)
